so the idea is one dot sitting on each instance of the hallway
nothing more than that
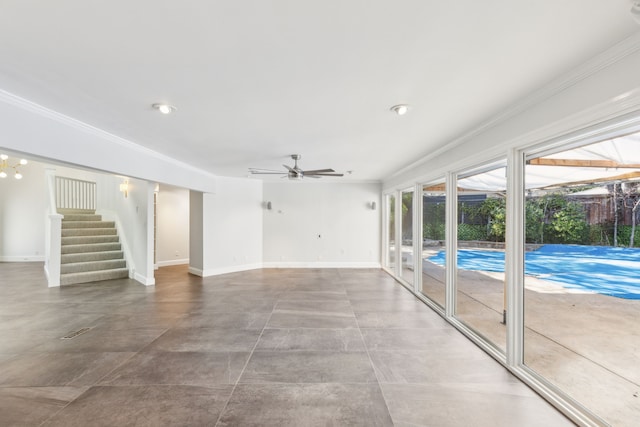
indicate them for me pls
(273, 347)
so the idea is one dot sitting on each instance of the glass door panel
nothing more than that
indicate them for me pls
(391, 230)
(406, 245)
(480, 297)
(582, 287)
(433, 242)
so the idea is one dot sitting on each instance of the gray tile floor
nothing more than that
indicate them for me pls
(258, 348)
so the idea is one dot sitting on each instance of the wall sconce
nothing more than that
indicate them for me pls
(267, 205)
(124, 188)
(372, 205)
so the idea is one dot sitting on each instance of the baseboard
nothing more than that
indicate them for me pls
(173, 262)
(321, 265)
(224, 270)
(147, 281)
(37, 258)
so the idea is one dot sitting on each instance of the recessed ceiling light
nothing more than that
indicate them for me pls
(164, 108)
(400, 109)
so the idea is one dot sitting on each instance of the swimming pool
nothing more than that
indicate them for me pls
(602, 269)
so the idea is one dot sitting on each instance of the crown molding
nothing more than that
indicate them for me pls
(594, 65)
(34, 108)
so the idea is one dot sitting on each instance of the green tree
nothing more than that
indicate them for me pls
(569, 223)
(534, 221)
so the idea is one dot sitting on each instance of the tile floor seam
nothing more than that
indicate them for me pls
(235, 385)
(375, 371)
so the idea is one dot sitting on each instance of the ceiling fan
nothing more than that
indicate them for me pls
(295, 172)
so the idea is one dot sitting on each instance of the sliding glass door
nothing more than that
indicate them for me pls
(480, 276)
(433, 242)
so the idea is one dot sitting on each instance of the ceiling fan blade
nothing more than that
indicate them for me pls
(268, 173)
(325, 174)
(260, 170)
(290, 169)
(317, 171)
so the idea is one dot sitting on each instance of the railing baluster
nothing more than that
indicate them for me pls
(75, 194)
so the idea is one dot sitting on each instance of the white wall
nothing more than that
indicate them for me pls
(22, 214)
(172, 239)
(134, 214)
(321, 225)
(231, 227)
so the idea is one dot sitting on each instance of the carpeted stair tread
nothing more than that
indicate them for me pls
(93, 276)
(77, 267)
(91, 256)
(67, 232)
(88, 224)
(92, 247)
(85, 240)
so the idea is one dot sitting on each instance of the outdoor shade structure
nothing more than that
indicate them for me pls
(616, 159)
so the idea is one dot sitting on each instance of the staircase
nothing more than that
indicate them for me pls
(90, 249)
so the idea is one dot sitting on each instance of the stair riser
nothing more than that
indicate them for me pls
(88, 224)
(66, 212)
(91, 256)
(86, 240)
(93, 276)
(98, 247)
(92, 266)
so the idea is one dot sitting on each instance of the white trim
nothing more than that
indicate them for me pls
(514, 258)
(451, 244)
(196, 271)
(147, 281)
(22, 258)
(375, 265)
(172, 262)
(418, 203)
(224, 270)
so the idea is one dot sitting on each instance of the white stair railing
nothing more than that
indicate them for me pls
(73, 193)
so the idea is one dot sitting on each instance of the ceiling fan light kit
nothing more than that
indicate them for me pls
(295, 173)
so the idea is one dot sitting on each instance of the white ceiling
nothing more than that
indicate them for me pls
(255, 81)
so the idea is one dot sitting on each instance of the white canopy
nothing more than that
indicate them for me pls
(607, 161)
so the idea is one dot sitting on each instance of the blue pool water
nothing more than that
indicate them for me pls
(602, 269)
